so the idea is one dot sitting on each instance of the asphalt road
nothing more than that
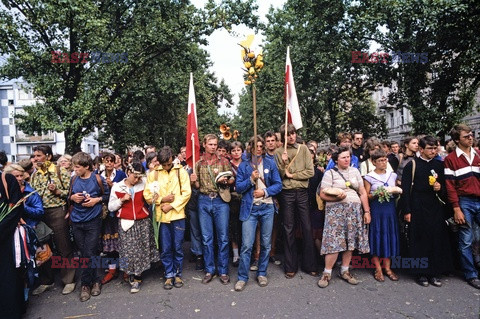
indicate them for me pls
(299, 297)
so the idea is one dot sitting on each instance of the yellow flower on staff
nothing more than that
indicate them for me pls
(431, 180)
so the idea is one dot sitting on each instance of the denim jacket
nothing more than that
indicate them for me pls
(245, 186)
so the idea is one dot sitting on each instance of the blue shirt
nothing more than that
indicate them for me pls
(89, 187)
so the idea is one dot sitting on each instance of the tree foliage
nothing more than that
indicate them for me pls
(440, 92)
(321, 36)
(143, 100)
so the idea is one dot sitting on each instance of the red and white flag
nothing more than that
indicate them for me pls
(193, 146)
(293, 108)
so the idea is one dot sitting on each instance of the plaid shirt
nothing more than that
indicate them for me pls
(40, 180)
(207, 176)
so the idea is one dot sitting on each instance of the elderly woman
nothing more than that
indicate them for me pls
(65, 161)
(137, 245)
(383, 236)
(344, 230)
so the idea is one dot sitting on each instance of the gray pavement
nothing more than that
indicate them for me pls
(299, 297)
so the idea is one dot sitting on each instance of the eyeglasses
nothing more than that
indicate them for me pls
(470, 135)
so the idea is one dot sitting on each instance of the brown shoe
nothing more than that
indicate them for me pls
(325, 280)
(224, 279)
(208, 277)
(85, 294)
(96, 289)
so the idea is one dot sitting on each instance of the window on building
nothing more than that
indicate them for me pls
(12, 139)
(402, 117)
(24, 95)
(392, 120)
(10, 102)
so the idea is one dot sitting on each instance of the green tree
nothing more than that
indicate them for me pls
(321, 36)
(77, 97)
(441, 91)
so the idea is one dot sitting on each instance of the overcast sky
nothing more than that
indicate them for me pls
(225, 52)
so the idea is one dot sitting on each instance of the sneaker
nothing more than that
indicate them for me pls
(41, 289)
(199, 263)
(135, 287)
(275, 260)
(168, 284)
(325, 280)
(435, 282)
(262, 281)
(347, 276)
(474, 282)
(69, 288)
(240, 285)
(254, 265)
(96, 289)
(422, 281)
(178, 282)
(85, 294)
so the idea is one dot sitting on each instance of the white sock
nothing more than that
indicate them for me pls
(343, 269)
(327, 271)
(235, 252)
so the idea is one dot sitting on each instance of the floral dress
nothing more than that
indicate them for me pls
(344, 228)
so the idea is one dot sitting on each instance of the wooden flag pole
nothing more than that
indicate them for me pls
(254, 151)
(286, 116)
(193, 152)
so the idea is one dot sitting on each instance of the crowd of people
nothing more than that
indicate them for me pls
(377, 199)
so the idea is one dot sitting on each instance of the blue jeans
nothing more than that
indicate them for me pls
(471, 209)
(172, 253)
(262, 214)
(195, 233)
(214, 212)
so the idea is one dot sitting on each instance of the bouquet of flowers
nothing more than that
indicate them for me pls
(382, 194)
(432, 179)
(6, 209)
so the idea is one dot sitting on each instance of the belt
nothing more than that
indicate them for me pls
(212, 195)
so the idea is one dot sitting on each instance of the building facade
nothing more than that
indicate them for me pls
(13, 98)
(399, 120)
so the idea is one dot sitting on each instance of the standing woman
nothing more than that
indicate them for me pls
(136, 245)
(235, 226)
(423, 201)
(110, 222)
(409, 151)
(12, 302)
(345, 223)
(383, 235)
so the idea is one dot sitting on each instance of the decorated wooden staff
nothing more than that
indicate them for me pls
(253, 64)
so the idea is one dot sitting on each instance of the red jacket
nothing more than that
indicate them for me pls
(133, 209)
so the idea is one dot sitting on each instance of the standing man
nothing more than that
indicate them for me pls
(296, 167)
(462, 174)
(53, 183)
(170, 199)
(257, 181)
(89, 191)
(357, 146)
(271, 141)
(213, 210)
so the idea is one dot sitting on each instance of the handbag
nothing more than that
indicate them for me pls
(44, 233)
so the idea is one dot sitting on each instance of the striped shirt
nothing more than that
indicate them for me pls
(462, 175)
